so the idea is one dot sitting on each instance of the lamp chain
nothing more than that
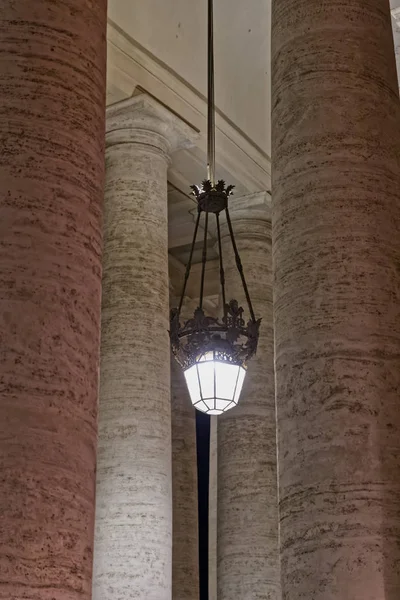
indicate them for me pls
(211, 98)
(239, 265)
(221, 265)
(189, 264)
(203, 260)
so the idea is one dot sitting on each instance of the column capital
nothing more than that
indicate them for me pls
(250, 216)
(143, 120)
(252, 206)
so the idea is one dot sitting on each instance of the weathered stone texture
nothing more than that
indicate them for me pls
(185, 538)
(247, 545)
(336, 251)
(52, 90)
(133, 540)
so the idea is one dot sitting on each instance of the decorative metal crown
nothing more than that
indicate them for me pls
(211, 198)
(231, 339)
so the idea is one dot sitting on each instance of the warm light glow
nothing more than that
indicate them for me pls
(214, 385)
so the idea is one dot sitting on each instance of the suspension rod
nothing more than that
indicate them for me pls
(204, 260)
(211, 98)
(221, 265)
(189, 264)
(239, 265)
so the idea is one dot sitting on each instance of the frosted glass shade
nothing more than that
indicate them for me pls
(214, 385)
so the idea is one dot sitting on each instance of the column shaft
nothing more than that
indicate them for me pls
(247, 545)
(52, 82)
(185, 545)
(336, 251)
(133, 548)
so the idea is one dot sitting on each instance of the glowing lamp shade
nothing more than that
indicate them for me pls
(214, 384)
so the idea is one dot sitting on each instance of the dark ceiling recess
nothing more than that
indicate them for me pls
(203, 477)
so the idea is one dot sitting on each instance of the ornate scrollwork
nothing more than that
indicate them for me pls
(253, 331)
(199, 322)
(231, 338)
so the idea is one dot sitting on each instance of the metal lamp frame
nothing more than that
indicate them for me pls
(230, 338)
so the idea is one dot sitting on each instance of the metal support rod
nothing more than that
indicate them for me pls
(204, 260)
(211, 98)
(189, 264)
(239, 265)
(221, 266)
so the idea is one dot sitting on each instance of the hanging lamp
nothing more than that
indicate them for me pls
(213, 352)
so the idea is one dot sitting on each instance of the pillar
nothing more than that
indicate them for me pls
(133, 540)
(185, 540)
(247, 544)
(52, 80)
(336, 251)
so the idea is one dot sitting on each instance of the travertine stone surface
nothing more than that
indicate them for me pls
(133, 543)
(52, 89)
(336, 251)
(185, 538)
(247, 545)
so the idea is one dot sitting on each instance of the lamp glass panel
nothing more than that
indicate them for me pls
(192, 382)
(210, 403)
(206, 356)
(242, 375)
(222, 404)
(214, 386)
(202, 406)
(226, 376)
(206, 377)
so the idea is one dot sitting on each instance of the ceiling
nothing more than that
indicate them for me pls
(174, 33)
(159, 47)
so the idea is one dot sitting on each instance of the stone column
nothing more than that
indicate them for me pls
(185, 526)
(247, 545)
(133, 543)
(52, 82)
(336, 251)
(185, 545)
